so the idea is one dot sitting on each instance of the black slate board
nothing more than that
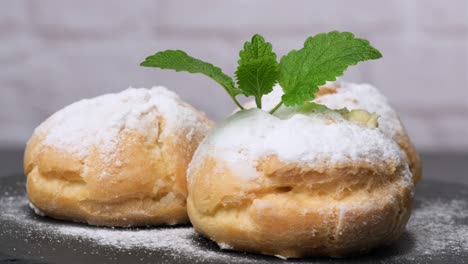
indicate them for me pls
(20, 243)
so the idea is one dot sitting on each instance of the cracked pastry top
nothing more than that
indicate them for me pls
(115, 160)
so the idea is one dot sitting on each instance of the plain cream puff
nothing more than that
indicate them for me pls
(115, 160)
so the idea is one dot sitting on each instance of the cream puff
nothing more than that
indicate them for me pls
(115, 160)
(299, 184)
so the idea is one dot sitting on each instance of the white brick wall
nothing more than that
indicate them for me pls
(55, 52)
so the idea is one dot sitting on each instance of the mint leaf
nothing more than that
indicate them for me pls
(258, 69)
(323, 58)
(179, 61)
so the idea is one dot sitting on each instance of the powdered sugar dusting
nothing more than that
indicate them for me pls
(305, 138)
(36, 210)
(99, 121)
(364, 96)
(225, 246)
(349, 95)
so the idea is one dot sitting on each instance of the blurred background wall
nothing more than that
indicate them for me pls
(54, 52)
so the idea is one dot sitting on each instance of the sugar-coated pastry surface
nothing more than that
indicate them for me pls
(299, 185)
(310, 139)
(365, 96)
(116, 160)
(340, 94)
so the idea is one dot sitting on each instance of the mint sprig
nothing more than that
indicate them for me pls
(323, 58)
(258, 69)
(179, 61)
(300, 73)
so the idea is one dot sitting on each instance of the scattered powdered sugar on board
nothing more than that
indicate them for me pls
(437, 227)
(178, 240)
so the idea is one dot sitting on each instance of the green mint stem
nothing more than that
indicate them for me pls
(237, 102)
(258, 101)
(276, 107)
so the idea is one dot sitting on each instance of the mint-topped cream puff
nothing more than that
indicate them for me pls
(299, 185)
(294, 177)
